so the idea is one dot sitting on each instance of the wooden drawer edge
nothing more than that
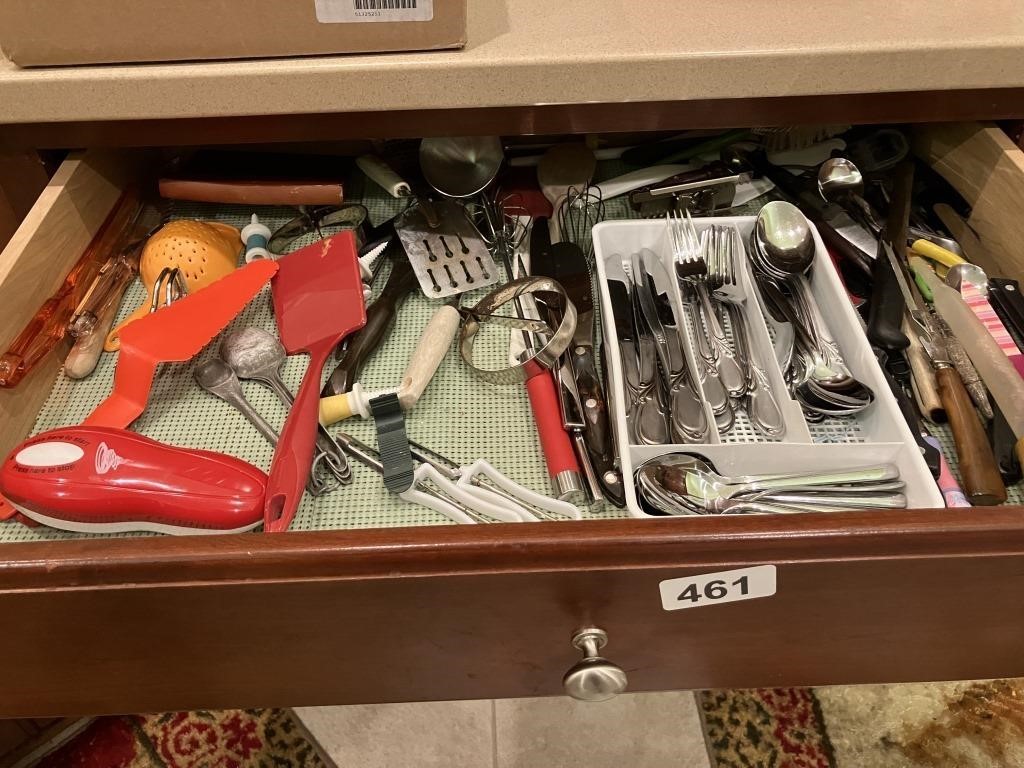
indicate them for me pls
(987, 168)
(533, 120)
(473, 550)
(35, 262)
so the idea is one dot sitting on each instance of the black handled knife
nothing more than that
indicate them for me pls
(380, 321)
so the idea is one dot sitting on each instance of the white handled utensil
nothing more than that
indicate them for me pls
(434, 343)
(380, 172)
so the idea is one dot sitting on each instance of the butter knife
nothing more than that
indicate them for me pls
(686, 412)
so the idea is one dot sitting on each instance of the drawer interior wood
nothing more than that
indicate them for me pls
(987, 168)
(42, 251)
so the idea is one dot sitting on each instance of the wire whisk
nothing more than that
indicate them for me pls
(501, 221)
(578, 214)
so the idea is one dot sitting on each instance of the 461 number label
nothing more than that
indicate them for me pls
(715, 588)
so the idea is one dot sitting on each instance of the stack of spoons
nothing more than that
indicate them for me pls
(687, 484)
(782, 252)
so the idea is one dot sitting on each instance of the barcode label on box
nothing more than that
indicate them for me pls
(349, 11)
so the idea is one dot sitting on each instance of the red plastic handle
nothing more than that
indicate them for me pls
(293, 458)
(554, 440)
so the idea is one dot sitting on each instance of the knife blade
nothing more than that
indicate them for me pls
(651, 426)
(996, 370)
(687, 419)
(978, 465)
(567, 264)
(622, 315)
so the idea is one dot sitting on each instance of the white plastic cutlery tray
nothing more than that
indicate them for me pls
(877, 435)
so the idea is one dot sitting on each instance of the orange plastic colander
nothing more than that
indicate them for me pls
(202, 252)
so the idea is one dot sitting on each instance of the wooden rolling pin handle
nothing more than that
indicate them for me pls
(435, 341)
(978, 468)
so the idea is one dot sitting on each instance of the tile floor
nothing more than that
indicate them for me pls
(650, 730)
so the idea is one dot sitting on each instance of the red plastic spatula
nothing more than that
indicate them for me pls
(318, 301)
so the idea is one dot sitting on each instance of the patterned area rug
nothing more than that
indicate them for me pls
(934, 725)
(269, 738)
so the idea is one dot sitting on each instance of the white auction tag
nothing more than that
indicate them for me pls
(349, 11)
(720, 587)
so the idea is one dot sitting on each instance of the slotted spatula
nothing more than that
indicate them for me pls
(318, 301)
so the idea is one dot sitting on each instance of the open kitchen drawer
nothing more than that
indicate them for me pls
(376, 614)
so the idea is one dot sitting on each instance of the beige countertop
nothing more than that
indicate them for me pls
(525, 52)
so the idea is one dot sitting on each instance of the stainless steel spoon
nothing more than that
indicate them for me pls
(782, 251)
(684, 484)
(651, 488)
(701, 479)
(784, 242)
(257, 355)
(217, 378)
(841, 182)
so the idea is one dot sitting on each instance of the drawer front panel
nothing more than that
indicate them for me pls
(843, 617)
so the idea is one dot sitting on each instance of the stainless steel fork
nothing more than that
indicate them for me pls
(721, 377)
(759, 401)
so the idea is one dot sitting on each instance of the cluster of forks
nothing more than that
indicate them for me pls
(730, 375)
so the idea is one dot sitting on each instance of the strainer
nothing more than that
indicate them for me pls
(201, 251)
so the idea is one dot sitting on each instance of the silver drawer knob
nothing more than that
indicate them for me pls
(593, 678)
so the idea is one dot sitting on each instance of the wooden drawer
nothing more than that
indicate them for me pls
(156, 623)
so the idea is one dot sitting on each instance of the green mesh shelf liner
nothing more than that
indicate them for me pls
(458, 416)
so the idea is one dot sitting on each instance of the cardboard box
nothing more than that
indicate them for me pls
(45, 32)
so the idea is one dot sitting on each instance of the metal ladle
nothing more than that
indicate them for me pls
(461, 166)
(257, 355)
